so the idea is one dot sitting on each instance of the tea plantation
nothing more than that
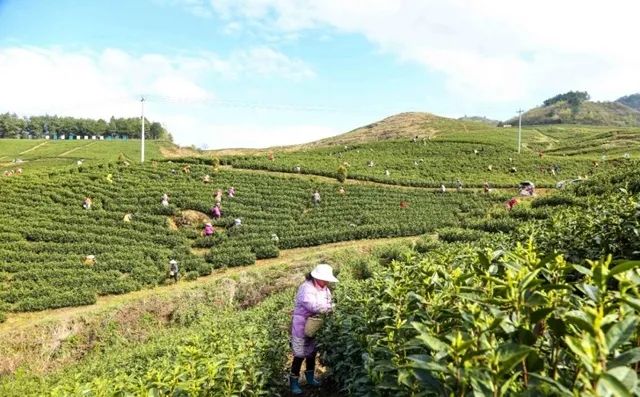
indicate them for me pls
(540, 300)
(549, 155)
(46, 233)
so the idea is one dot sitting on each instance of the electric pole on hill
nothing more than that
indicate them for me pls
(142, 133)
(520, 111)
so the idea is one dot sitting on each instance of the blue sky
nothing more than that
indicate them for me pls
(256, 73)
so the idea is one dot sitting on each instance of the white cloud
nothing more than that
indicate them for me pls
(488, 50)
(100, 84)
(265, 61)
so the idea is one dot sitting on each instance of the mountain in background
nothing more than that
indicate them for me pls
(574, 107)
(632, 101)
(480, 119)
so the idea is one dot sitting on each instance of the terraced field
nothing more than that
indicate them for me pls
(46, 232)
(36, 154)
(472, 155)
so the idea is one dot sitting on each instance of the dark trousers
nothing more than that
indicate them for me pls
(310, 362)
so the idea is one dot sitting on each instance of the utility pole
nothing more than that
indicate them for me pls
(142, 133)
(520, 111)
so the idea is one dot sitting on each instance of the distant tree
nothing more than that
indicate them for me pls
(633, 101)
(573, 98)
(342, 173)
(12, 126)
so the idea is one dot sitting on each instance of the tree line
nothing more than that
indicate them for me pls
(12, 126)
(573, 98)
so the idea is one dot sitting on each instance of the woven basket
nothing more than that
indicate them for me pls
(312, 326)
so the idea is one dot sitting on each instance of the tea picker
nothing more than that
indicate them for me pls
(312, 299)
(173, 269)
(208, 229)
(315, 197)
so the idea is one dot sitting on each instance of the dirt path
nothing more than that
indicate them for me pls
(78, 148)
(286, 258)
(33, 148)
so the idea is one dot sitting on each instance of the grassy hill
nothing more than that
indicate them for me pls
(447, 150)
(399, 126)
(36, 154)
(586, 113)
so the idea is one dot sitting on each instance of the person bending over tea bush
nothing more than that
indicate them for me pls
(312, 299)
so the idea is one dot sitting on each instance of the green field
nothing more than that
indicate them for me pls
(37, 154)
(543, 299)
(473, 155)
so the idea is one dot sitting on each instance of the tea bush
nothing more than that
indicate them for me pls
(465, 320)
(48, 235)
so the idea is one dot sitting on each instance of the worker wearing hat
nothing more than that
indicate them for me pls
(312, 299)
(173, 269)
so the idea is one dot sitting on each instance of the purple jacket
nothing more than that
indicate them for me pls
(310, 300)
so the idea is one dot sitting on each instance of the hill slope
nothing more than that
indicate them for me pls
(632, 101)
(402, 126)
(587, 113)
(36, 154)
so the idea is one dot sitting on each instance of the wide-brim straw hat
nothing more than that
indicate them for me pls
(324, 272)
(173, 261)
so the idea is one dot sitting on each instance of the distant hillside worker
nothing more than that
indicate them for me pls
(186, 169)
(313, 298)
(237, 222)
(216, 211)
(275, 238)
(206, 179)
(341, 190)
(218, 196)
(174, 270)
(270, 157)
(89, 260)
(370, 163)
(315, 198)
(513, 170)
(458, 185)
(404, 204)
(387, 173)
(165, 200)
(511, 203)
(485, 187)
(127, 218)
(443, 189)
(208, 230)
(231, 192)
(110, 178)
(86, 204)
(297, 169)
(19, 170)
(490, 168)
